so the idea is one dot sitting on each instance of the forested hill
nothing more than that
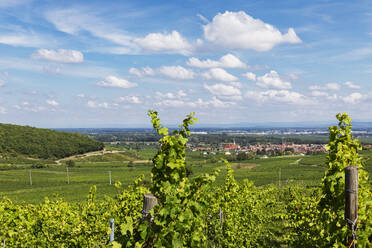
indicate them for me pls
(43, 143)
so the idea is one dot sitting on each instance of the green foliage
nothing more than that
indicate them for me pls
(169, 162)
(43, 143)
(323, 214)
(249, 215)
(55, 224)
(194, 212)
(179, 215)
(38, 165)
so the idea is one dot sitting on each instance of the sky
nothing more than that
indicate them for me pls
(106, 63)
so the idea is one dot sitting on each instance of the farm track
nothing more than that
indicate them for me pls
(84, 155)
(296, 162)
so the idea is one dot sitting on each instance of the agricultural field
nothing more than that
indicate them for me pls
(126, 166)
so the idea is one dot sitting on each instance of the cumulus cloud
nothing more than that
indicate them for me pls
(61, 55)
(284, 96)
(129, 99)
(26, 106)
(219, 74)
(223, 90)
(112, 81)
(227, 61)
(351, 85)
(164, 42)
(317, 93)
(169, 95)
(92, 104)
(354, 98)
(250, 76)
(328, 86)
(176, 72)
(144, 71)
(52, 103)
(214, 102)
(174, 103)
(272, 80)
(181, 93)
(237, 30)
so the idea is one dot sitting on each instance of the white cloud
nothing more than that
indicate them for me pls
(112, 81)
(24, 40)
(223, 90)
(250, 76)
(237, 30)
(169, 95)
(354, 98)
(284, 96)
(72, 21)
(144, 71)
(61, 55)
(26, 106)
(176, 72)
(351, 85)
(52, 102)
(237, 85)
(129, 99)
(219, 74)
(328, 86)
(227, 61)
(3, 110)
(164, 42)
(272, 80)
(181, 93)
(81, 95)
(92, 104)
(2, 82)
(214, 102)
(174, 103)
(317, 93)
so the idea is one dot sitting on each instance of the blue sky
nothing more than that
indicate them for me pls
(105, 63)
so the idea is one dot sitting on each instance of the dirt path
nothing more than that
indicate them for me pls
(296, 162)
(88, 154)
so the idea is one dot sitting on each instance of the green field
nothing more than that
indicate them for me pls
(47, 182)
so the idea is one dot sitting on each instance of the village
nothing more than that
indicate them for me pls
(261, 149)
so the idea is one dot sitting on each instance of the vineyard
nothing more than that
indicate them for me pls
(194, 212)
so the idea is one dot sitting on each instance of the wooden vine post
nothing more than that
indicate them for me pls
(149, 201)
(68, 176)
(351, 199)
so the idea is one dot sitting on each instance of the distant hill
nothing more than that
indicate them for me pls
(43, 143)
